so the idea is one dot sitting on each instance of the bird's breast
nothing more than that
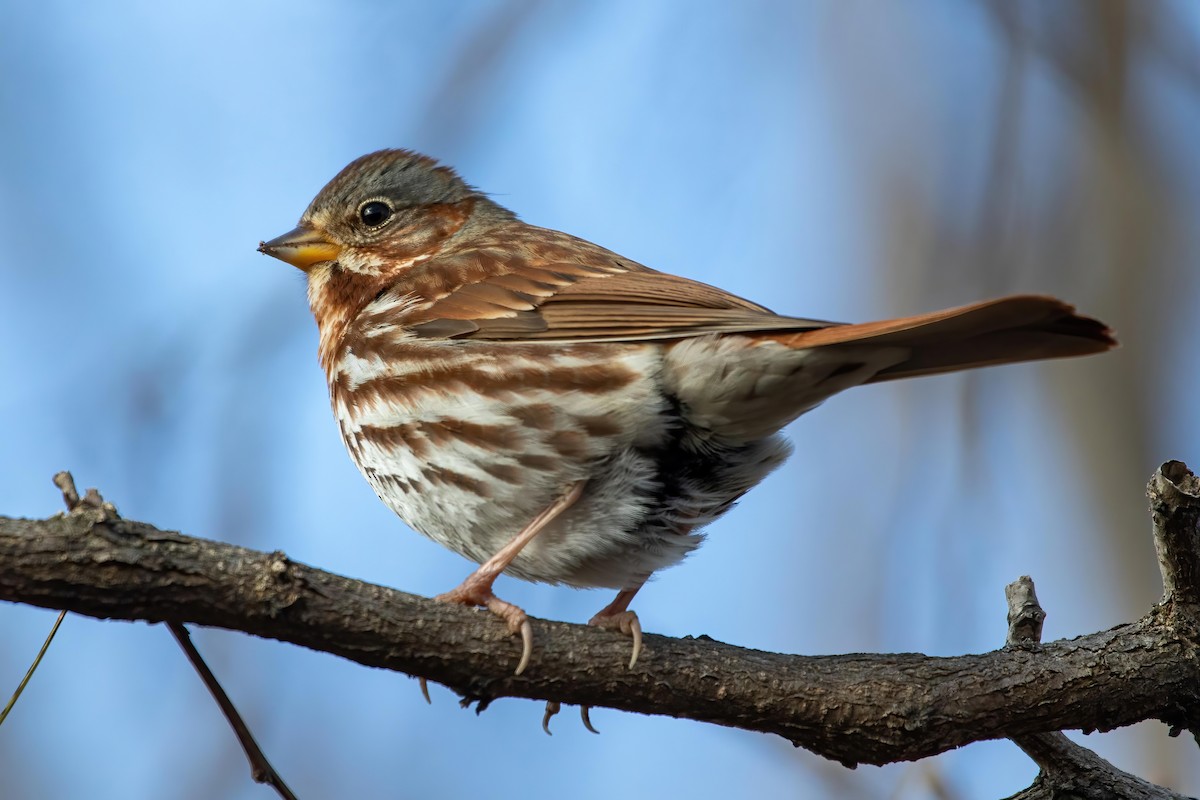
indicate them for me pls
(468, 441)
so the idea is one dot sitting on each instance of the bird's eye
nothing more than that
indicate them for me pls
(374, 213)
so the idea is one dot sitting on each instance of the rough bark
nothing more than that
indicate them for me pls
(859, 708)
(1067, 769)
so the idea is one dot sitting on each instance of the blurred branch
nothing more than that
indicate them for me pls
(851, 708)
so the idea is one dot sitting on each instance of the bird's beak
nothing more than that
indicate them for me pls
(302, 247)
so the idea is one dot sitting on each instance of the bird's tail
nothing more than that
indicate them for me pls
(1002, 331)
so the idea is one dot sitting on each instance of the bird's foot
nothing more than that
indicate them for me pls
(624, 621)
(477, 591)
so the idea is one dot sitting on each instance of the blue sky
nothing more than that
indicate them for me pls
(798, 154)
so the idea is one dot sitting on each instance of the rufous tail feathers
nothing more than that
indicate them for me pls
(1001, 331)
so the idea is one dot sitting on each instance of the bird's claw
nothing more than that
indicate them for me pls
(625, 622)
(526, 644)
(552, 708)
(585, 714)
(477, 594)
(518, 623)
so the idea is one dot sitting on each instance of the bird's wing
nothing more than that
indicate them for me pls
(558, 288)
(554, 287)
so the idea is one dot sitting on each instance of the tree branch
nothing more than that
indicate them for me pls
(1067, 769)
(1174, 494)
(852, 708)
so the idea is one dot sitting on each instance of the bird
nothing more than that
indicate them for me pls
(554, 411)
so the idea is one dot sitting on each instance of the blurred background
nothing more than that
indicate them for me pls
(846, 159)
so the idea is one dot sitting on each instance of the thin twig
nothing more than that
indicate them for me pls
(32, 667)
(260, 768)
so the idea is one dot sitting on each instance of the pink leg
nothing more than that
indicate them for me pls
(616, 616)
(476, 590)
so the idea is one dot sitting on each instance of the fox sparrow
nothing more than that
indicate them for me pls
(554, 411)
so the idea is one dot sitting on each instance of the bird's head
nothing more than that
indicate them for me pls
(377, 215)
(366, 236)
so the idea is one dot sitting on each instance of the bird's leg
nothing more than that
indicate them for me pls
(476, 590)
(616, 616)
